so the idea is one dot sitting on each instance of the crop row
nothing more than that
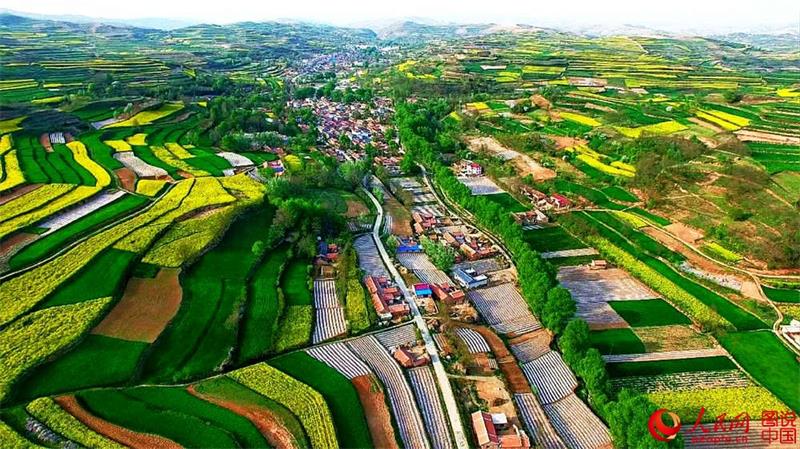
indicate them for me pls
(299, 398)
(26, 343)
(53, 416)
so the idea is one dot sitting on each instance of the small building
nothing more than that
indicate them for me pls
(386, 298)
(560, 202)
(408, 245)
(409, 359)
(422, 290)
(492, 431)
(448, 293)
(468, 278)
(598, 264)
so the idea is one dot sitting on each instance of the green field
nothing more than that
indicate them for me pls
(649, 312)
(76, 369)
(767, 359)
(339, 393)
(294, 283)
(174, 413)
(782, 294)
(616, 341)
(506, 201)
(552, 238)
(264, 306)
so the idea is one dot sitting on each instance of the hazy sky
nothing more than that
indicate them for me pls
(675, 14)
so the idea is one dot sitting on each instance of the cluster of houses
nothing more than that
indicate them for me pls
(361, 123)
(544, 201)
(390, 163)
(386, 298)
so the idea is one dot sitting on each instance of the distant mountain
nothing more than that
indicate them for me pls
(158, 23)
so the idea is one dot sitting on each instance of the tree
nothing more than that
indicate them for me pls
(574, 341)
(443, 257)
(258, 248)
(558, 309)
(627, 419)
(353, 173)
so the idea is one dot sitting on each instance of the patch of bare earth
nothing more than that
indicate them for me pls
(505, 359)
(127, 178)
(356, 209)
(266, 422)
(564, 141)
(379, 420)
(675, 245)
(401, 218)
(492, 390)
(185, 174)
(16, 241)
(706, 125)
(129, 438)
(684, 232)
(524, 164)
(541, 101)
(44, 140)
(146, 307)
(18, 192)
(746, 135)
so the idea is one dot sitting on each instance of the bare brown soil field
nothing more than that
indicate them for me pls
(44, 140)
(401, 218)
(266, 422)
(356, 209)
(706, 125)
(127, 178)
(9, 245)
(492, 390)
(505, 360)
(758, 136)
(185, 174)
(684, 232)
(541, 101)
(135, 440)
(524, 164)
(379, 420)
(18, 192)
(145, 308)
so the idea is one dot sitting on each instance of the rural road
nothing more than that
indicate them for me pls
(441, 375)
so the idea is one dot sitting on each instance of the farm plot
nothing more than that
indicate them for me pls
(63, 219)
(140, 167)
(428, 209)
(576, 424)
(49, 413)
(504, 309)
(666, 355)
(593, 289)
(175, 414)
(145, 308)
(368, 258)
(649, 312)
(303, 401)
(531, 346)
(537, 422)
(551, 239)
(430, 404)
(480, 185)
(551, 377)
(401, 398)
(474, 341)
(278, 425)
(339, 357)
(338, 392)
(616, 341)
(684, 381)
(580, 252)
(397, 336)
(659, 367)
(330, 319)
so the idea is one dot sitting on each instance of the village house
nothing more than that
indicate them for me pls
(448, 293)
(469, 278)
(469, 168)
(410, 359)
(492, 431)
(386, 298)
